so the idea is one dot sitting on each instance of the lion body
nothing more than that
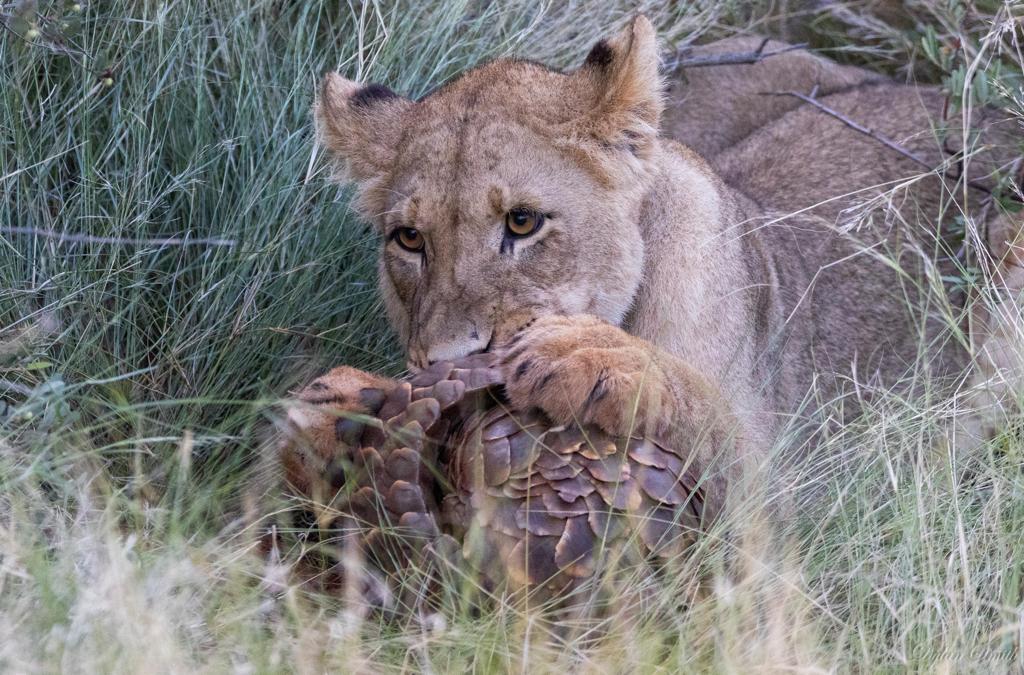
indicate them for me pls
(857, 232)
(730, 257)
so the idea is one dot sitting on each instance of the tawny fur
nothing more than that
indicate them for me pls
(724, 274)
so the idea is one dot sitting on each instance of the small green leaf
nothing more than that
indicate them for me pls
(981, 93)
(38, 365)
(930, 44)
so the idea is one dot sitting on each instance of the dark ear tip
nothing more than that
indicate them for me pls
(600, 56)
(371, 94)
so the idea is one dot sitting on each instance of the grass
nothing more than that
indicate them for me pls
(138, 377)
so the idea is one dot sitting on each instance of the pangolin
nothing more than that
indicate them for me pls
(439, 462)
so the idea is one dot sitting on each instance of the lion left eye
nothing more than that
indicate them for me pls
(409, 238)
(523, 222)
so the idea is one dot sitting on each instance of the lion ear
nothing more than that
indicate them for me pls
(621, 86)
(360, 125)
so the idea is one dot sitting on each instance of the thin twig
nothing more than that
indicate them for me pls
(63, 237)
(729, 58)
(884, 140)
(878, 136)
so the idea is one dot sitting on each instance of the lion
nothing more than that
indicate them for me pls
(690, 273)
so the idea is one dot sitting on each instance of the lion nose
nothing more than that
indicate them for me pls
(449, 351)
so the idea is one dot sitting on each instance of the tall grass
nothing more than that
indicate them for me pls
(173, 259)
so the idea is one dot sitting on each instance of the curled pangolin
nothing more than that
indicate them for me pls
(438, 459)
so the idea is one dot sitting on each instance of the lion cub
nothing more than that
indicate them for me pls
(631, 282)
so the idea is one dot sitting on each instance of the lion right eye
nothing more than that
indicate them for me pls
(523, 222)
(409, 238)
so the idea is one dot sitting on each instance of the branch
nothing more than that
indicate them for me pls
(729, 58)
(63, 237)
(884, 140)
(878, 136)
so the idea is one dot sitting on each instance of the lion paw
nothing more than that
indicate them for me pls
(322, 420)
(581, 369)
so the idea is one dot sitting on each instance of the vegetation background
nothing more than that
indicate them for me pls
(173, 259)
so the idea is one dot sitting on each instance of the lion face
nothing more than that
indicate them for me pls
(511, 193)
(486, 225)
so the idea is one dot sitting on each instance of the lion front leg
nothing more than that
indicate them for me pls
(584, 370)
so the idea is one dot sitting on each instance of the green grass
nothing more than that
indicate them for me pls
(138, 379)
